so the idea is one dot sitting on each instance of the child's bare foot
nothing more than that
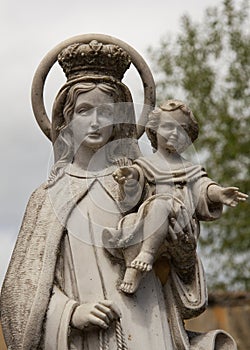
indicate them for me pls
(143, 262)
(131, 280)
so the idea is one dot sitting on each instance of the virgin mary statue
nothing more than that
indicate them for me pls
(61, 290)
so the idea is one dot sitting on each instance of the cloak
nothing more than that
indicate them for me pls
(27, 288)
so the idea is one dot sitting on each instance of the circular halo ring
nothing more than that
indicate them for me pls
(50, 59)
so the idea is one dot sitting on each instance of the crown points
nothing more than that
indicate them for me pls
(94, 58)
(95, 46)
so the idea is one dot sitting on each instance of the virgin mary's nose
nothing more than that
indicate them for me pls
(94, 118)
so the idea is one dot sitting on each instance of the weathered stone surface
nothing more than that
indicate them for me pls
(233, 317)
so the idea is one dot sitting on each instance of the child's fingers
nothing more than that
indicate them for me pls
(242, 196)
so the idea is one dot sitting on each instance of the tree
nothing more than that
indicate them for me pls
(207, 64)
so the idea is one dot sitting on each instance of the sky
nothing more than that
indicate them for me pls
(29, 29)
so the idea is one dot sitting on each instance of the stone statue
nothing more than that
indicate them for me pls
(65, 287)
(182, 194)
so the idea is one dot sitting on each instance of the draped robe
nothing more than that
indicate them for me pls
(58, 261)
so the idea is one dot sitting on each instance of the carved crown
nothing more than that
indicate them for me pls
(94, 58)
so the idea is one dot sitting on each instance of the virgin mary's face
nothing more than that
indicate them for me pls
(93, 119)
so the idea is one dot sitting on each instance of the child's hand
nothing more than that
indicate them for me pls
(226, 195)
(231, 196)
(124, 174)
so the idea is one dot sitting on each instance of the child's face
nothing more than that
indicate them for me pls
(171, 133)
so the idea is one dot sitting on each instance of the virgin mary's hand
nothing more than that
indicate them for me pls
(90, 315)
(181, 242)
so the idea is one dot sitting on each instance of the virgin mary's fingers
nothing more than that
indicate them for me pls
(188, 224)
(172, 233)
(179, 224)
(101, 315)
(108, 311)
(175, 225)
(110, 304)
(96, 321)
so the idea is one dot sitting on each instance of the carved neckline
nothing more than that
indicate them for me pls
(74, 170)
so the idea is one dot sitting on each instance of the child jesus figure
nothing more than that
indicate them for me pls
(181, 194)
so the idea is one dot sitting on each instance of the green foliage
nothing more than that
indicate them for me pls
(208, 65)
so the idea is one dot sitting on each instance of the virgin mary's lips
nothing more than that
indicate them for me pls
(93, 133)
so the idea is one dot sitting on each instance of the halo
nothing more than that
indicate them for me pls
(50, 59)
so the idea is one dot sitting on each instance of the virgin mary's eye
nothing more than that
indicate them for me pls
(84, 109)
(105, 110)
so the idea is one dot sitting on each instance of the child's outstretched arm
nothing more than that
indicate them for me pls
(230, 196)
